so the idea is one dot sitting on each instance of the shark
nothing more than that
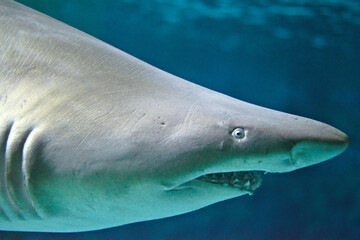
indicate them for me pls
(92, 138)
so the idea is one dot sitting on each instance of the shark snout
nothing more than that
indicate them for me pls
(320, 144)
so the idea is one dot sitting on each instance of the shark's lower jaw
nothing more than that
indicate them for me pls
(244, 180)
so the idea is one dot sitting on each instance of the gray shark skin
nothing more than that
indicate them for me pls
(91, 137)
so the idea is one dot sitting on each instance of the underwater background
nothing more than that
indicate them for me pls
(296, 56)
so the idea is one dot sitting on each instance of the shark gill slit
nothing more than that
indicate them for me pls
(9, 209)
(4, 198)
(15, 172)
(3, 215)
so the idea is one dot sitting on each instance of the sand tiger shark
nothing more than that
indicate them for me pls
(91, 137)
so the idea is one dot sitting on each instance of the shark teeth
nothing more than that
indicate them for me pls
(244, 180)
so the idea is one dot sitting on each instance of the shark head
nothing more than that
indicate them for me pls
(223, 144)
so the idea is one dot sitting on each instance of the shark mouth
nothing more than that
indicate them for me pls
(244, 180)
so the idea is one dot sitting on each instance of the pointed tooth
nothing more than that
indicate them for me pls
(214, 178)
(234, 178)
(247, 184)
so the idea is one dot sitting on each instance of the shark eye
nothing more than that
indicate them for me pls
(238, 133)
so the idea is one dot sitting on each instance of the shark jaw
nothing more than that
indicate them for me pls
(246, 181)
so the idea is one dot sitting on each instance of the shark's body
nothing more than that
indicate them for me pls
(91, 137)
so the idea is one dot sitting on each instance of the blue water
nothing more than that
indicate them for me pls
(301, 57)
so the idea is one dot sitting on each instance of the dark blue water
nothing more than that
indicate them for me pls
(301, 57)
